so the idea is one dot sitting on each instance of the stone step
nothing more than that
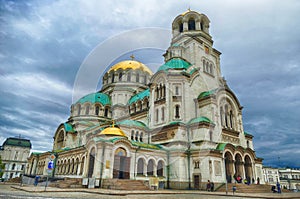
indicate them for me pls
(119, 184)
(244, 188)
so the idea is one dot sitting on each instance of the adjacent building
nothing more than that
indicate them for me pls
(14, 153)
(181, 124)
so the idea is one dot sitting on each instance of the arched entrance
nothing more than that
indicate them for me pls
(248, 168)
(229, 166)
(238, 165)
(91, 163)
(121, 164)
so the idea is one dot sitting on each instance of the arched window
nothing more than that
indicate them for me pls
(156, 115)
(132, 134)
(128, 76)
(78, 109)
(150, 168)
(203, 64)
(226, 112)
(210, 135)
(201, 26)
(248, 145)
(181, 27)
(231, 119)
(136, 136)
(112, 78)
(210, 69)
(97, 110)
(162, 113)
(160, 168)
(137, 77)
(177, 109)
(191, 24)
(221, 116)
(120, 76)
(106, 112)
(13, 167)
(141, 137)
(176, 90)
(140, 167)
(87, 109)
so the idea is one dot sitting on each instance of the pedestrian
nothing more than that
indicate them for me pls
(253, 181)
(278, 187)
(258, 180)
(36, 180)
(212, 186)
(208, 186)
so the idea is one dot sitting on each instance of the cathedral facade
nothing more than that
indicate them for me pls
(182, 124)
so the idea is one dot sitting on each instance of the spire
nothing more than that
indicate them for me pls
(132, 57)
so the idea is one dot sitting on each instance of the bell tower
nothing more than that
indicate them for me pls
(192, 41)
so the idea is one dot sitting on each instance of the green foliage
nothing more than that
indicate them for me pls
(1, 167)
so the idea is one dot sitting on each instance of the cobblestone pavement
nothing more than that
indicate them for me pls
(9, 191)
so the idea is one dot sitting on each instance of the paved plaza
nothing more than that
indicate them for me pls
(13, 191)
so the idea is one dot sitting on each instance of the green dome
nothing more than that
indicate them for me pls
(139, 96)
(94, 98)
(175, 63)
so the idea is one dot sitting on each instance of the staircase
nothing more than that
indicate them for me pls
(244, 188)
(122, 184)
(68, 183)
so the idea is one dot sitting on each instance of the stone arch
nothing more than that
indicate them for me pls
(160, 168)
(140, 166)
(150, 167)
(238, 164)
(229, 167)
(248, 168)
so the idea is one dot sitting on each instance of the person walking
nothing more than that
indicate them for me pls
(208, 186)
(212, 186)
(278, 187)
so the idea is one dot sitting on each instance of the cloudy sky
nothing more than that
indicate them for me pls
(44, 45)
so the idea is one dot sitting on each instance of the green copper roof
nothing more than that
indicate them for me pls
(200, 119)
(95, 97)
(193, 71)
(132, 123)
(139, 96)
(206, 93)
(176, 122)
(175, 63)
(221, 146)
(145, 145)
(17, 142)
(68, 127)
(246, 133)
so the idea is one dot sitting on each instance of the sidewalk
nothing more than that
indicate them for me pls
(39, 189)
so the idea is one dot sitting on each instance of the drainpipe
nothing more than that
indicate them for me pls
(102, 165)
(189, 157)
(168, 170)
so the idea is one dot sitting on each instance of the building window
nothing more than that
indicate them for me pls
(78, 109)
(176, 90)
(137, 136)
(120, 76)
(206, 49)
(248, 145)
(160, 168)
(177, 109)
(105, 112)
(113, 78)
(210, 135)
(137, 77)
(197, 163)
(163, 113)
(191, 24)
(132, 135)
(128, 76)
(181, 27)
(156, 115)
(141, 137)
(97, 110)
(87, 109)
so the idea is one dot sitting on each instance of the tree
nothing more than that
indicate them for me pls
(1, 167)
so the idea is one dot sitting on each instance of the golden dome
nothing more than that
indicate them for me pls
(130, 64)
(113, 131)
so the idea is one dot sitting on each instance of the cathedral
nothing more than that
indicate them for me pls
(181, 124)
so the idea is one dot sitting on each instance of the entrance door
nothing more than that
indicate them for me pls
(196, 181)
(121, 165)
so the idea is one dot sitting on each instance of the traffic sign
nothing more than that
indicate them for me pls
(50, 164)
(52, 157)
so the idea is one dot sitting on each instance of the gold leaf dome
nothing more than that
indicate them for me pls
(113, 131)
(130, 64)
